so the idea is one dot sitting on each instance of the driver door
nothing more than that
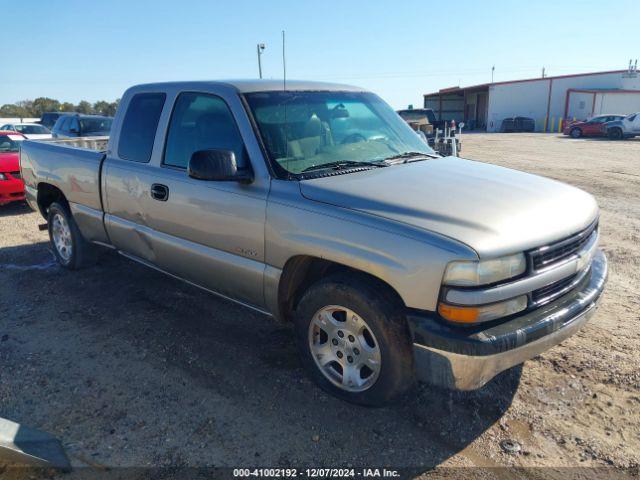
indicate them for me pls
(210, 233)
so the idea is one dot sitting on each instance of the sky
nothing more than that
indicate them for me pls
(74, 50)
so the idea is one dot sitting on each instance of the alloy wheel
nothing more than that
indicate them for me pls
(344, 348)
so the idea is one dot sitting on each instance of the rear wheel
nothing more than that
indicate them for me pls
(615, 133)
(354, 340)
(576, 133)
(70, 248)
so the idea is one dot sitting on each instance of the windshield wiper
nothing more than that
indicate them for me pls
(405, 156)
(343, 165)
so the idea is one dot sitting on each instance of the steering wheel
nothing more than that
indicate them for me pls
(353, 138)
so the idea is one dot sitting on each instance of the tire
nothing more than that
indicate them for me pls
(615, 133)
(70, 248)
(374, 334)
(575, 133)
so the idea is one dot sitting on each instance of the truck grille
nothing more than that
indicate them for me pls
(551, 254)
(549, 292)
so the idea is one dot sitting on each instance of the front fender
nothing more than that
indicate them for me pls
(411, 262)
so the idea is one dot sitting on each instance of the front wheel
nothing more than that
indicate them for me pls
(70, 248)
(576, 133)
(354, 340)
(615, 134)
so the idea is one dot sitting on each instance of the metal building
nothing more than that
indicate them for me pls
(548, 100)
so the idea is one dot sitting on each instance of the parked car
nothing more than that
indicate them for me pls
(589, 128)
(392, 262)
(11, 185)
(32, 131)
(518, 124)
(627, 127)
(49, 119)
(76, 125)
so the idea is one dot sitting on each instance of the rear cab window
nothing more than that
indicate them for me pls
(139, 127)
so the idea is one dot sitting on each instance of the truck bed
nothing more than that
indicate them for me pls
(72, 165)
(88, 143)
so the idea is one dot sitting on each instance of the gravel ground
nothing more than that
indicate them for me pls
(131, 368)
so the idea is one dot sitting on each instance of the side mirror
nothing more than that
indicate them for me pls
(219, 165)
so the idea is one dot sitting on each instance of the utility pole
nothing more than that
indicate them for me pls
(260, 48)
(493, 69)
(284, 64)
(543, 73)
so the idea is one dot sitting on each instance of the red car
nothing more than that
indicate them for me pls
(589, 128)
(11, 185)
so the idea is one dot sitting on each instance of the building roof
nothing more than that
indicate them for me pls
(482, 86)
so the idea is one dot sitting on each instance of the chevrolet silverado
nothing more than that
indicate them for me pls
(316, 204)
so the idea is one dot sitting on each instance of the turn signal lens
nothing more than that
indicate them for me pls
(458, 314)
(484, 313)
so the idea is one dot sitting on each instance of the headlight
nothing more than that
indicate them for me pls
(2, 177)
(484, 313)
(472, 274)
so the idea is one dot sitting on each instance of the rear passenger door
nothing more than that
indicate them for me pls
(128, 176)
(207, 232)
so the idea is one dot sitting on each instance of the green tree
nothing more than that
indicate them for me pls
(35, 108)
(106, 108)
(84, 107)
(44, 104)
(67, 107)
(11, 110)
(27, 106)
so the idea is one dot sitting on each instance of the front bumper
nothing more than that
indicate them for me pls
(11, 190)
(467, 358)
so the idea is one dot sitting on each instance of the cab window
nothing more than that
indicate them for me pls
(73, 125)
(64, 123)
(139, 127)
(201, 122)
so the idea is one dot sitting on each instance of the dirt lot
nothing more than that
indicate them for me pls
(131, 368)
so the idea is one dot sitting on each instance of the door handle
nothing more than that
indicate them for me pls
(159, 192)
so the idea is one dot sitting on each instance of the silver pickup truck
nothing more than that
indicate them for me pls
(317, 205)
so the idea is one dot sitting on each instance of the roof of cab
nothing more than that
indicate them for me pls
(258, 85)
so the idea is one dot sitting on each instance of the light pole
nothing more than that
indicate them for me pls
(260, 48)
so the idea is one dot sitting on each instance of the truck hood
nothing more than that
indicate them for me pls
(492, 209)
(9, 162)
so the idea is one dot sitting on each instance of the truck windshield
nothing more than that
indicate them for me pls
(305, 130)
